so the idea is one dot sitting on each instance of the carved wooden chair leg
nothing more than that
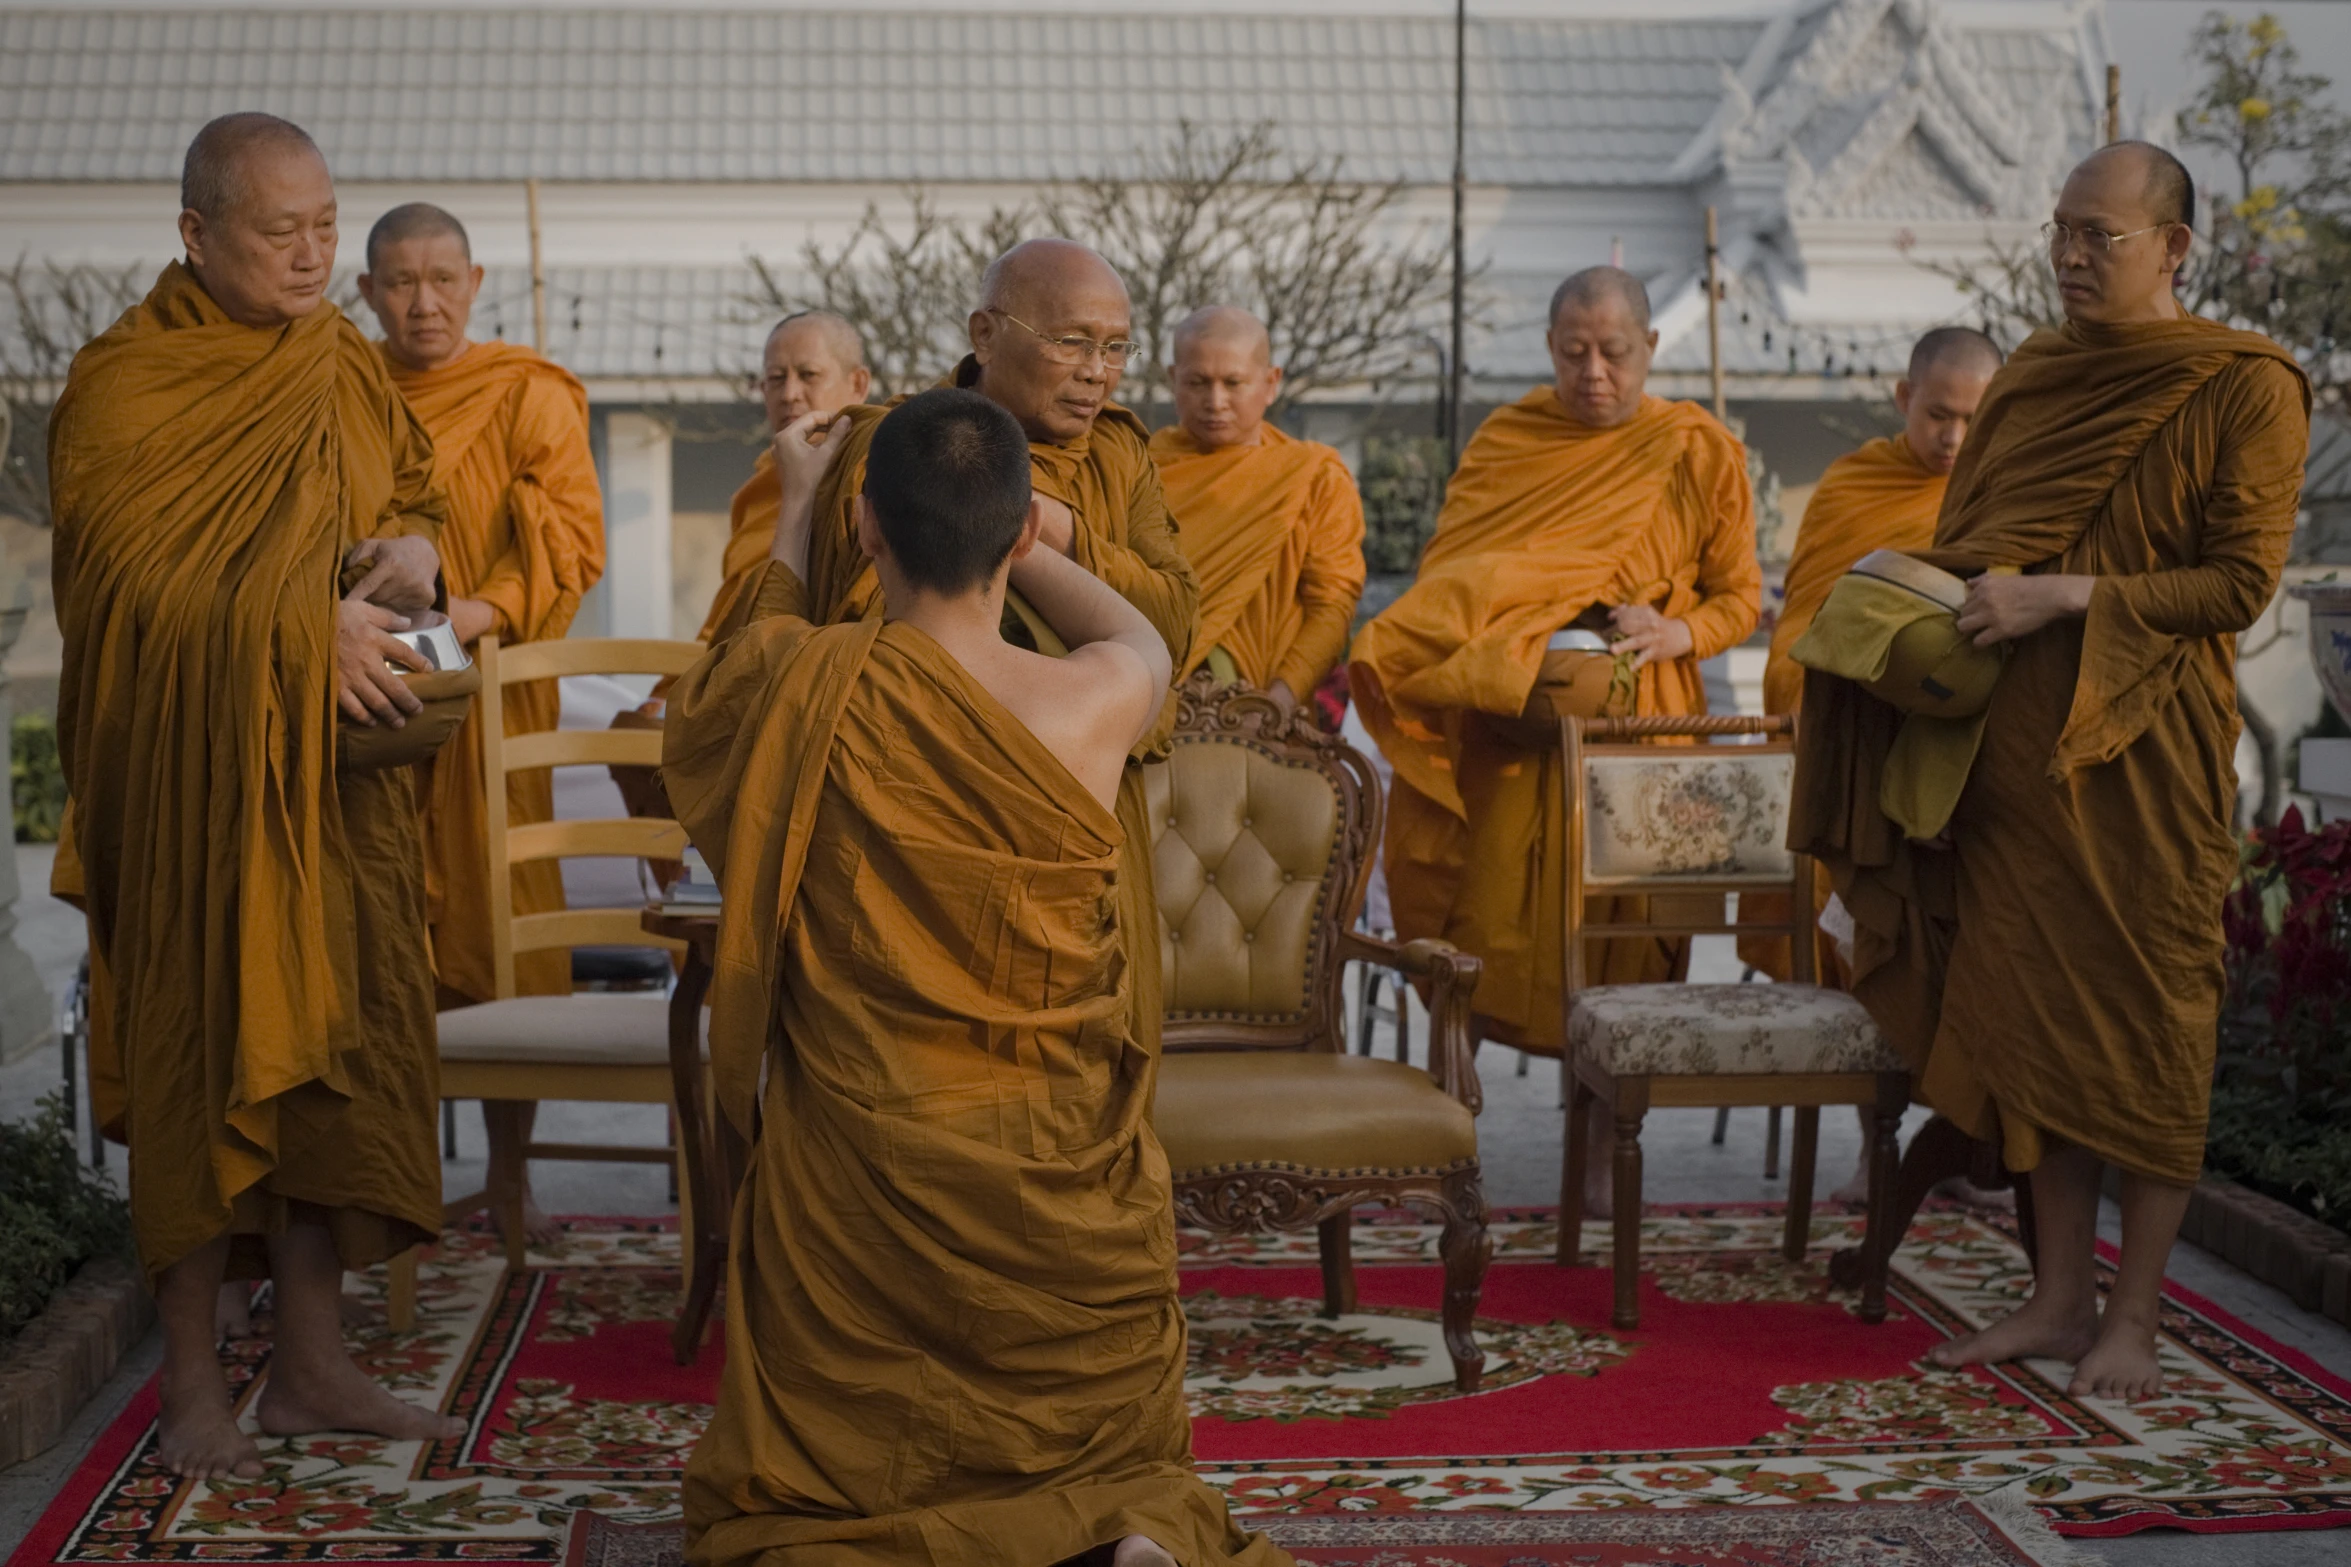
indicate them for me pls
(1574, 1161)
(1467, 1246)
(509, 1164)
(1800, 1171)
(400, 1290)
(1884, 1232)
(1334, 1239)
(1632, 1107)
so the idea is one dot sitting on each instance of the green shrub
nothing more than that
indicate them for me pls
(36, 779)
(1403, 484)
(56, 1213)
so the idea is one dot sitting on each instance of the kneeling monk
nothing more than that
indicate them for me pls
(1587, 498)
(257, 939)
(953, 1335)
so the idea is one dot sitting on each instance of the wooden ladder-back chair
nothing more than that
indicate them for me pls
(1694, 823)
(603, 1046)
(1264, 830)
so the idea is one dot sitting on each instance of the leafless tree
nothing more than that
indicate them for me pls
(1198, 221)
(52, 310)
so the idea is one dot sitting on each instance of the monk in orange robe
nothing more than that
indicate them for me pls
(1584, 496)
(814, 362)
(953, 1333)
(524, 541)
(218, 457)
(1051, 337)
(1272, 524)
(2055, 957)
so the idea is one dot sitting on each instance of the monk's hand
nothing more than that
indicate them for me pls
(1653, 637)
(1283, 697)
(367, 691)
(1057, 526)
(403, 573)
(2001, 609)
(472, 619)
(806, 450)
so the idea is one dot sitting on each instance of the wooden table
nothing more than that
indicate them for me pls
(717, 1153)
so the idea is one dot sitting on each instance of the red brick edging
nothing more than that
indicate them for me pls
(2277, 1244)
(67, 1352)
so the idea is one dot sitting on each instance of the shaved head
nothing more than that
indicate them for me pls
(414, 220)
(1043, 269)
(1954, 347)
(1597, 288)
(2165, 184)
(1224, 324)
(836, 332)
(216, 177)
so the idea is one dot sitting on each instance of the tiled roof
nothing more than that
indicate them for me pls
(93, 94)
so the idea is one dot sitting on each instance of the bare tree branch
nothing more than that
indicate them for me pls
(52, 310)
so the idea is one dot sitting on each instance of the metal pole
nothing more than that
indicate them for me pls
(1714, 313)
(538, 272)
(2114, 103)
(1460, 198)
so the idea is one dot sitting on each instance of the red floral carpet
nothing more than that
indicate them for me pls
(1750, 1395)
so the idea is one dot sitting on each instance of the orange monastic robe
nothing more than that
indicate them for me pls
(257, 933)
(1275, 532)
(526, 535)
(1878, 498)
(752, 534)
(1544, 518)
(2057, 966)
(953, 1331)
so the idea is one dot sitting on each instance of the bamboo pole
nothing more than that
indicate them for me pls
(538, 272)
(1714, 313)
(2114, 103)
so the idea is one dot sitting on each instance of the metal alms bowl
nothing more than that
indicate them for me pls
(430, 633)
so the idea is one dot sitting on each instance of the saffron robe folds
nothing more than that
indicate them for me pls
(256, 920)
(953, 1333)
(2056, 970)
(1878, 498)
(1544, 518)
(1275, 533)
(526, 535)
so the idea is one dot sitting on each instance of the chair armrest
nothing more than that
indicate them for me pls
(1452, 977)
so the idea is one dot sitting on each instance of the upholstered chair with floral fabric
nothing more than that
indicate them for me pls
(1264, 830)
(1689, 825)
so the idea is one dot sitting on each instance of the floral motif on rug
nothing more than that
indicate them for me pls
(1750, 1384)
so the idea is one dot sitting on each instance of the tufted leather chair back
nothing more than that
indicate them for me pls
(1263, 833)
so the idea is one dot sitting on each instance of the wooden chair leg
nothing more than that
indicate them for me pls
(400, 1290)
(1574, 1160)
(1632, 1107)
(1722, 1124)
(1771, 1144)
(1885, 1158)
(1800, 1172)
(509, 1159)
(683, 1196)
(1467, 1246)
(1334, 1239)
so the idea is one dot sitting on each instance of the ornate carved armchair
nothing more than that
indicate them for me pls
(1264, 829)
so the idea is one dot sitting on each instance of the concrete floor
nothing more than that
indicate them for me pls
(1519, 1132)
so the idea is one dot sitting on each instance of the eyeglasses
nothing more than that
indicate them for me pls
(1076, 350)
(2097, 242)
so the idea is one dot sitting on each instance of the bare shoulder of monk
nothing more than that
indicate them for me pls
(1088, 707)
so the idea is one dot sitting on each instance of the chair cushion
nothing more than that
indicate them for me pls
(586, 1030)
(1691, 1030)
(1223, 1108)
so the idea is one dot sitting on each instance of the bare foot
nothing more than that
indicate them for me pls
(2121, 1366)
(1140, 1550)
(196, 1435)
(537, 1227)
(233, 1316)
(2041, 1329)
(1960, 1189)
(330, 1393)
